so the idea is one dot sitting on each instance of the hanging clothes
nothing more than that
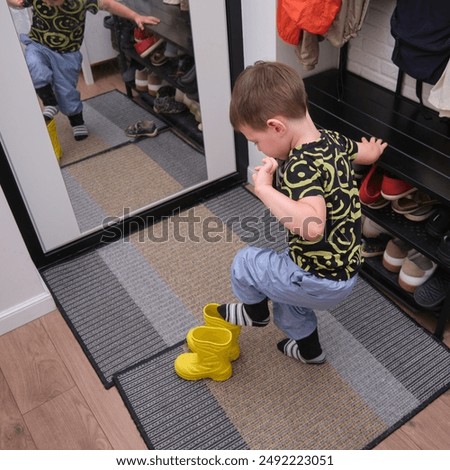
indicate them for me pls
(421, 29)
(314, 16)
(440, 94)
(345, 25)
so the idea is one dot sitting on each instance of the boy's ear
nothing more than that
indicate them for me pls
(276, 124)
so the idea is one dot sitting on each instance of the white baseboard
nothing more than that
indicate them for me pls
(27, 311)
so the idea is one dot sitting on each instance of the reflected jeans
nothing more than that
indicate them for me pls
(61, 70)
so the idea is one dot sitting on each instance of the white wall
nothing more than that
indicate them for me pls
(261, 42)
(23, 295)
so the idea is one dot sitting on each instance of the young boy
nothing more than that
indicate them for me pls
(53, 51)
(315, 197)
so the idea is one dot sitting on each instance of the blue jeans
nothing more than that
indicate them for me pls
(62, 71)
(257, 273)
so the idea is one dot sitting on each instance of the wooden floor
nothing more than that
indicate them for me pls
(51, 398)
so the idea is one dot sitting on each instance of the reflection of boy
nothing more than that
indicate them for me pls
(53, 51)
(316, 199)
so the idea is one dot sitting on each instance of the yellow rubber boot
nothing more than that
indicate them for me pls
(51, 128)
(213, 318)
(211, 357)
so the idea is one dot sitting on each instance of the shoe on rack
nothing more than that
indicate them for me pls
(370, 190)
(433, 292)
(395, 254)
(168, 105)
(167, 90)
(139, 34)
(148, 45)
(158, 58)
(360, 170)
(141, 129)
(154, 84)
(393, 188)
(412, 202)
(415, 271)
(189, 77)
(439, 223)
(185, 64)
(140, 79)
(371, 247)
(443, 249)
(371, 229)
(421, 214)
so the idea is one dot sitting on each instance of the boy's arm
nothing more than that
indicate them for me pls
(118, 9)
(16, 4)
(305, 217)
(369, 151)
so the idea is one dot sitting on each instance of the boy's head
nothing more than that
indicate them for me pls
(266, 90)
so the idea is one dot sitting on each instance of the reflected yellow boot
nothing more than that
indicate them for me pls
(211, 357)
(213, 318)
(51, 128)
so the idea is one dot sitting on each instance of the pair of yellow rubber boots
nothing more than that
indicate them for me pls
(213, 345)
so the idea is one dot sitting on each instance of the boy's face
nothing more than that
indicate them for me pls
(269, 141)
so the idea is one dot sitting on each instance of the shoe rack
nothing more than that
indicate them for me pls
(418, 153)
(415, 235)
(175, 29)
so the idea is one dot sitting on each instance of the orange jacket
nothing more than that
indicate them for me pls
(314, 16)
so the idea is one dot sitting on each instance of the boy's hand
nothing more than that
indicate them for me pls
(263, 175)
(369, 151)
(141, 20)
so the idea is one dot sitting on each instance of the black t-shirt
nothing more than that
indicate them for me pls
(323, 168)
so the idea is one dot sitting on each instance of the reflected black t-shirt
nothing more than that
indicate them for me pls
(61, 28)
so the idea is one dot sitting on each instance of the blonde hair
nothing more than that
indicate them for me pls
(265, 90)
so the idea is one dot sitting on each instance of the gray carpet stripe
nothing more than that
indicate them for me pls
(414, 351)
(121, 110)
(177, 414)
(104, 127)
(87, 212)
(165, 311)
(362, 371)
(249, 219)
(185, 164)
(113, 329)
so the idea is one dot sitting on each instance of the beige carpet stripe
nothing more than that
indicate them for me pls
(124, 179)
(191, 256)
(286, 409)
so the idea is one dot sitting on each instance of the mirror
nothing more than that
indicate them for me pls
(110, 176)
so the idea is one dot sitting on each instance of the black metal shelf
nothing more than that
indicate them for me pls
(411, 232)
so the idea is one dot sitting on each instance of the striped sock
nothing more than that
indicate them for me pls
(289, 347)
(50, 112)
(238, 315)
(80, 132)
